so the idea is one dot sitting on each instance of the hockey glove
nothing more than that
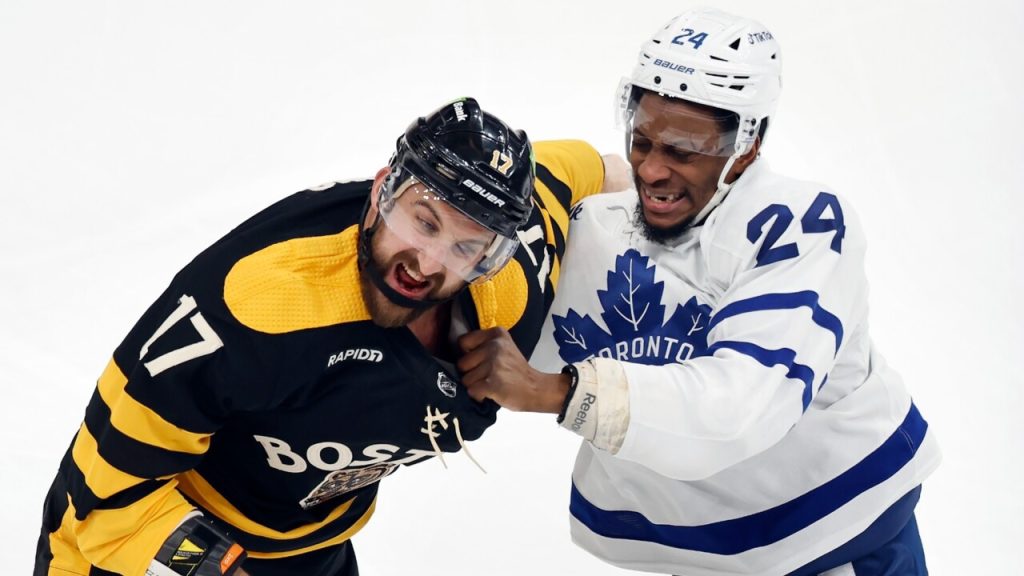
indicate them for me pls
(197, 548)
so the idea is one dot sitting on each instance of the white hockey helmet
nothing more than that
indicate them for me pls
(713, 58)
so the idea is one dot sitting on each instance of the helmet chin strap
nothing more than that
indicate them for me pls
(740, 149)
(720, 192)
(368, 266)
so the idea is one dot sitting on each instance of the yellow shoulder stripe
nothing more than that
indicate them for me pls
(140, 422)
(298, 284)
(501, 300)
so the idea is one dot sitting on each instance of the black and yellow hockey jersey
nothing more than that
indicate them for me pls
(257, 389)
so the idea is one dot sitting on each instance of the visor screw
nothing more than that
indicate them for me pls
(460, 198)
(657, 79)
(486, 216)
(682, 87)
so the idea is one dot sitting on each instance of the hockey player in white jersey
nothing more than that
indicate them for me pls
(713, 330)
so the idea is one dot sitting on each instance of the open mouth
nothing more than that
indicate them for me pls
(409, 283)
(662, 203)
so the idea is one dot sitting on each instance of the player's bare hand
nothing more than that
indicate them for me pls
(493, 367)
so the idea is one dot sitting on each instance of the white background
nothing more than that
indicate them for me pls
(133, 134)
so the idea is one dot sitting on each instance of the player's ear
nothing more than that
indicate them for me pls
(743, 162)
(747, 159)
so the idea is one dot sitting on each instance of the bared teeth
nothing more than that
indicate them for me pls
(412, 274)
(407, 279)
(662, 198)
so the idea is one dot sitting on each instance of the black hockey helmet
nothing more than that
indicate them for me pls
(474, 160)
(477, 164)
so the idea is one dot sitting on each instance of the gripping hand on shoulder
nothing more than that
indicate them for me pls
(493, 367)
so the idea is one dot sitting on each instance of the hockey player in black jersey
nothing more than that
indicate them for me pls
(243, 424)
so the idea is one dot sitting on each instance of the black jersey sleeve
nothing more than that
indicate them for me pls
(152, 415)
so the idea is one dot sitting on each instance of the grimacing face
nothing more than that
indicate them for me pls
(673, 183)
(415, 249)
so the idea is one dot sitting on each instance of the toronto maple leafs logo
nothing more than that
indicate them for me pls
(635, 319)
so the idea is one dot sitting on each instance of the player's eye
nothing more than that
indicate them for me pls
(641, 143)
(465, 250)
(426, 226)
(680, 154)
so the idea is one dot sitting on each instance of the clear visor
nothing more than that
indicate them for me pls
(674, 123)
(424, 220)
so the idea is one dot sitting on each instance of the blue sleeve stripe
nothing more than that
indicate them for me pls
(807, 298)
(769, 358)
(763, 528)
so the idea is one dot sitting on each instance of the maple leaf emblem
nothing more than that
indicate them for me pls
(635, 319)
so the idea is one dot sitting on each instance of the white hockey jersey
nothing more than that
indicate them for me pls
(764, 429)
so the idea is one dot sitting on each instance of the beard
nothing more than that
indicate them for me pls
(384, 312)
(654, 233)
(650, 232)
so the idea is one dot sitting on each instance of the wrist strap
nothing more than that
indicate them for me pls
(597, 408)
(574, 374)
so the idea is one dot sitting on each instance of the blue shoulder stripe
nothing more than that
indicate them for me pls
(808, 298)
(763, 528)
(769, 358)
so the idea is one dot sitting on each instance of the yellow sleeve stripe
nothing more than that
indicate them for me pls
(552, 210)
(102, 478)
(574, 163)
(199, 490)
(556, 271)
(125, 540)
(67, 559)
(140, 422)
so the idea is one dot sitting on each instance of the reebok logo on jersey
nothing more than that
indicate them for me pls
(367, 354)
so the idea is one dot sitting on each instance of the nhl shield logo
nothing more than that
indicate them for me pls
(446, 385)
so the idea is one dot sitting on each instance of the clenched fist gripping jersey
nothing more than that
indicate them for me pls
(764, 430)
(257, 389)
